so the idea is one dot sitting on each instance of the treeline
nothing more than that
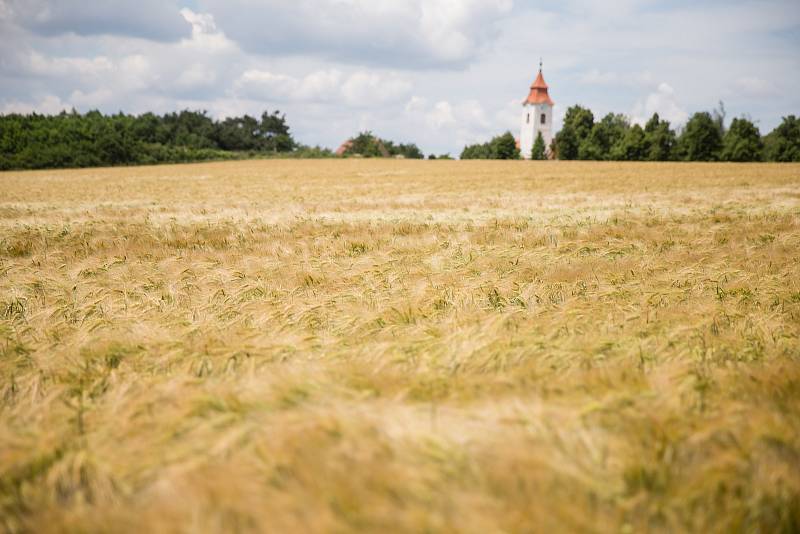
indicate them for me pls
(704, 138)
(613, 138)
(71, 139)
(500, 147)
(368, 145)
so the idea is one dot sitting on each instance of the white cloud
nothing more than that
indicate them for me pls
(508, 116)
(416, 104)
(359, 89)
(268, 85)
(600, 9)
(754, 87)
(458, 123)
(595, 77)
(206, 37)
(472, 112)
(49, 105)
(664, 102)
(135, 72)
(5, 10)
(42, 65)
(151, 19)
(437, 72)
(91, 100)
(202, 23)
(197, 75)
(193, 64)
(455, 30)
(441, 115)
(614, 79)
(466, 114)
(319, 85)
(129, 74)
(399, 33)
(364, 88)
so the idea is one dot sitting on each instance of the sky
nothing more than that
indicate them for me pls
(439, 73)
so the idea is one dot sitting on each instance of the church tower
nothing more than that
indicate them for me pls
(537, 116)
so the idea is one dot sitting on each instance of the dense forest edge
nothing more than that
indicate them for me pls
(72, 139)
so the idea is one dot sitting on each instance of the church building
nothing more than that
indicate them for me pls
(537, 117)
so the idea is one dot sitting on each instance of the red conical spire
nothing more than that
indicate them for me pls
(538, 94)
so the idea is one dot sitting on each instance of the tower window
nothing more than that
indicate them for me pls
(543, 119)
(528, 120)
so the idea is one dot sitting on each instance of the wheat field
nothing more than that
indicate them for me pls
(398, 346)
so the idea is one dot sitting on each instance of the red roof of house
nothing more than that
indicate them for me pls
(344, 147)
(538, 94)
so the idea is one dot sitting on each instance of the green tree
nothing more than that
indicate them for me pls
(578, 123)
(366, 144)
(500, 147)
(235, 133)
(369, 145)
(476, 151)
(659, 140)
(603, 137)
(114, 143)
(145, 127)
(539, 151)
(742, 142)
(274, 133)
(783, 143)
(701, 139)
(71, 139)
(409, 151)
(631, 147)
(194, 129)
(504, 147)
(302, 151)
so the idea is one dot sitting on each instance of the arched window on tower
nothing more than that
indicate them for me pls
(543, 119)
(528, 120)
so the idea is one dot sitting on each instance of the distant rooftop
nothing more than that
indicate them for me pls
(539, 94)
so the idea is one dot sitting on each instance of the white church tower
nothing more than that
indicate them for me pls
(537, 116)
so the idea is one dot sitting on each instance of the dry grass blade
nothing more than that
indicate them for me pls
(406, 346)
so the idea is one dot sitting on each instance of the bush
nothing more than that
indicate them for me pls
(500, 147)
(368, 145)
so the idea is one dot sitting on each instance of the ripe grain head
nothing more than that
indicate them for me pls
(365, 345)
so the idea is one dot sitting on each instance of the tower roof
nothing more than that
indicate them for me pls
(538, 94)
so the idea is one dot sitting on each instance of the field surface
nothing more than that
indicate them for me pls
(335, 346)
